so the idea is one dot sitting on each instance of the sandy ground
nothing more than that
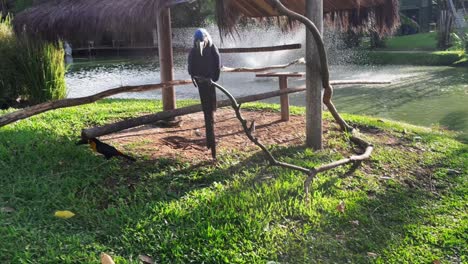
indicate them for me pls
(187, 141)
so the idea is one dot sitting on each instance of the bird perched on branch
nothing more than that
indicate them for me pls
(204, 67)
(107, 150)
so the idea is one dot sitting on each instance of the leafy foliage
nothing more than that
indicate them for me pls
(42, 67)
(460, 42)
(8, 74)
(29, 69)
(407, 26)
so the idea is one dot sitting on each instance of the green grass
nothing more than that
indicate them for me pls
(407, 204)
(436, 58)
(421, 41)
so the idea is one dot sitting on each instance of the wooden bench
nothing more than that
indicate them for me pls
(283, 84)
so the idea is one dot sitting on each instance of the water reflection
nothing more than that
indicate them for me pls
(419, 95)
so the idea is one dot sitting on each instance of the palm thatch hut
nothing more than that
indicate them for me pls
(76, 20)
(359, 15)
(123, 19)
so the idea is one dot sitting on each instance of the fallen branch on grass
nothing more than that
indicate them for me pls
(311, 173)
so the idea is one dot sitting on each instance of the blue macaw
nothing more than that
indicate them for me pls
(203, 64)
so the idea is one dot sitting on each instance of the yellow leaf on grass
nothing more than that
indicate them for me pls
(64, 214)
(341, 207)
(106, 259)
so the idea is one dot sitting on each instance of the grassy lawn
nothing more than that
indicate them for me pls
(416, 49)
(408, 204)
(421, 41)
(433, 58)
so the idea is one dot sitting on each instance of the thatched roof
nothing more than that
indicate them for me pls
(88, 18)
(381, 15)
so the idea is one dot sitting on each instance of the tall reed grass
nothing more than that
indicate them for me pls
(31, 69)
(8, 76)
(42, 68)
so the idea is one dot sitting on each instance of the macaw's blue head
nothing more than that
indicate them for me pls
(201, 39)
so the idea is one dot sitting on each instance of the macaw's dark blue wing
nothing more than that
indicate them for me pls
(207, 66)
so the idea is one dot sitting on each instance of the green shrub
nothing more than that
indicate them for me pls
(30, 69)
(438, 58)
(460, 42)
(42, 68)
(8, 83)
(407, 26)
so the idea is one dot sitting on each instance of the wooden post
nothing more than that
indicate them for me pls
(166, 56)
(314, 11)
(154, 33)
(284, 99)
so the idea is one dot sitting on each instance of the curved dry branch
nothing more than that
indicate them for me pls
(315, 32)
(47, 106)
(328, 93)
(311, 173)
(325, 73)
(248, 132)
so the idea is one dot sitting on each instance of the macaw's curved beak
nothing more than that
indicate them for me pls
(200, 45)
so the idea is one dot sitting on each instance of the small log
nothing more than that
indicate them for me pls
(147, 119)
(44, 107)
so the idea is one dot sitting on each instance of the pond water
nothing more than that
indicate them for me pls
(419, 95)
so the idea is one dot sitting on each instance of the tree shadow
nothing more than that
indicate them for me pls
(457, 121)
(178, 212)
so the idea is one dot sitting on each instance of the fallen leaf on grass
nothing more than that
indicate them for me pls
(372, 254)
(146, 259)
(7, 209)
(436, 261)
(64, 214)
(106, 259)
(340, 237)
(341, 207)
(355, 222)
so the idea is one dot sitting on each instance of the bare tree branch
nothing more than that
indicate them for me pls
(47, 106)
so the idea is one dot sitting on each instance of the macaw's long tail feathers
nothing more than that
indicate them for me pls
(208, 101)
(214, 103)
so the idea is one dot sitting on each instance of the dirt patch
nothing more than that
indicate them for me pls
(187, 141)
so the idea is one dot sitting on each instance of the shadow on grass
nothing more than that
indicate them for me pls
(177, 212)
